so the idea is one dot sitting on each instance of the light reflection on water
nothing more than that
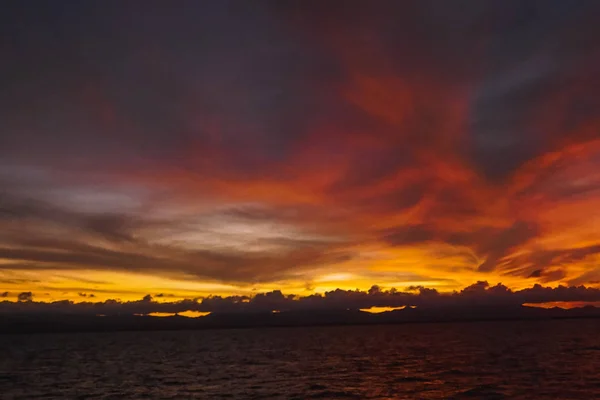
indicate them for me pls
(493, 360)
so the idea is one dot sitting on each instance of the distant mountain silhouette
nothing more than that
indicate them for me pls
(29, 323)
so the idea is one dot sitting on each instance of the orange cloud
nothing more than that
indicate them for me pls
(390, 144)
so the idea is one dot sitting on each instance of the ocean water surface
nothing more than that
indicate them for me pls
(484, 360)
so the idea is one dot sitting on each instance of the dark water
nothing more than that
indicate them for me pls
(515, 360)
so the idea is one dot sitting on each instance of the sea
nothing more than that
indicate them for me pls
(478, 360)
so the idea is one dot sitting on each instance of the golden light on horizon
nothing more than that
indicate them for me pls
(379, 310)
(187, 314)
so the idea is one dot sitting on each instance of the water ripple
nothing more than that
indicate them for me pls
(519, 360)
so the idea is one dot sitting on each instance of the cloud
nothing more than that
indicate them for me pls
(480, 294)
(128, 242)
(4, 294)
(536, 274)
(502, 243)
(25, 296)
(460, 146)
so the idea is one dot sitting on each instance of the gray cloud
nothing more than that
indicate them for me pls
(226, 266)
(124, 241)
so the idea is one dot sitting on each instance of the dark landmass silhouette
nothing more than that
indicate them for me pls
(38, 323)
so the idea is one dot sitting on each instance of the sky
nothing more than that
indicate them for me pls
(228, 148)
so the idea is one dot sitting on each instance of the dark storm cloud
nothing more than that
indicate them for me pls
(536, 55)
(123, 83)
(149, 81)
(480, 294)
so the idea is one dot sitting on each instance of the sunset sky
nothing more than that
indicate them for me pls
(197, 148)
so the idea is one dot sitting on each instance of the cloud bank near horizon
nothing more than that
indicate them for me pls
(480, 294)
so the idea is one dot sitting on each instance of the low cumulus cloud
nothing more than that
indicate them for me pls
(480, 294)
(25, 296)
